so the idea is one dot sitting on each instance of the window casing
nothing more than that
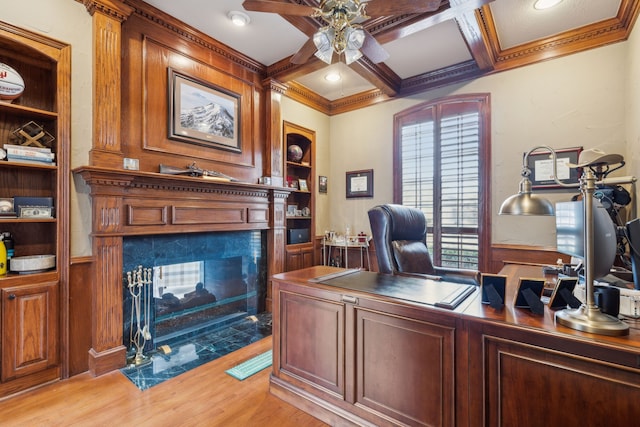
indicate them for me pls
(441, 166)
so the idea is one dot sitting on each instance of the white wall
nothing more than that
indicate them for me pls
(572, 101)
(69, 22)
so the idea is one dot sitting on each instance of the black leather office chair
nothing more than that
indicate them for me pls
(400, 239)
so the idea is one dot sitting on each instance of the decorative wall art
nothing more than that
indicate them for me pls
(202, 113)
(541, 166)
(360, 183)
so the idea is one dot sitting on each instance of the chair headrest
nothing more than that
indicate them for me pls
(407, 223)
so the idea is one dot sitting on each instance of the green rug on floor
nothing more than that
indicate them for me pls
(251, 366)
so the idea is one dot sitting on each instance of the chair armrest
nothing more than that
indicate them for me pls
(469, 275)
(418, 275)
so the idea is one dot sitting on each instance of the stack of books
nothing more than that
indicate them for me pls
(25, 154)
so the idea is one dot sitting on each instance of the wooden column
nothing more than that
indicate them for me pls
(107, 350)
(108, 16)
(276, 239)
(273, 151)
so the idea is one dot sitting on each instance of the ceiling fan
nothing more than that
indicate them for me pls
(344, 33)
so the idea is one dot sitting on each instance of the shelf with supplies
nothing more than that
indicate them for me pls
(299, 177)
(35, 129)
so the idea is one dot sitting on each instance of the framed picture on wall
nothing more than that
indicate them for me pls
(202, 113)
(360, 183)
(322, 184)
(541, 167)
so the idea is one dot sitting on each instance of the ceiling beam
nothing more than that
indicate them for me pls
(469, 23)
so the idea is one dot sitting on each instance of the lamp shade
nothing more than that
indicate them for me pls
(525, 203)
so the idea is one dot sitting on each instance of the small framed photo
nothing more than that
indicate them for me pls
(291, 210)
(557, 300)
(35, 212)
(526, 287)
(6, 207)
(303, 185)
(322, 184)
(493, 288)
(360, 183)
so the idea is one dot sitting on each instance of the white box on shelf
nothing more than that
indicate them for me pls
(629, 299)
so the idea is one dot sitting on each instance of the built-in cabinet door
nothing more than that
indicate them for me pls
(312, 347)
(299, 257)
(29, 329)
(405, 368)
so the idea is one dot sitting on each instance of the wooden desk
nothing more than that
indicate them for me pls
(352, 357)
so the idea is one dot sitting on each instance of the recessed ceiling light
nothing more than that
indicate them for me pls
(545, 4)
(333, 77)
(239, 18)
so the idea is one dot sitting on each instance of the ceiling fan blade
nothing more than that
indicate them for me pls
(305, 52)
(400, 7)
(373, 50)
(278, 7)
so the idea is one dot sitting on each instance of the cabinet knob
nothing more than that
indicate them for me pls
(12, 296)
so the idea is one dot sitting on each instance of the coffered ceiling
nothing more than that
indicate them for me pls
(461, 40)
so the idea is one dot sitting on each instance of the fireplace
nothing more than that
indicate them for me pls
(133, 205)
(200, 281)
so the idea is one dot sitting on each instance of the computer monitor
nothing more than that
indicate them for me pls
(633, 238)
(570, 234)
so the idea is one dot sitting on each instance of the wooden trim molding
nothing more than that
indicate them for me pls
(127, 203)
(502, 254)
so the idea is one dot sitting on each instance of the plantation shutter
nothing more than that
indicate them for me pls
(439, 168)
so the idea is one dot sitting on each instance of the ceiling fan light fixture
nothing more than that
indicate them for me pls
(351, 55)
(239, 18)
(354, 37)
(323, 40)
(545, 4)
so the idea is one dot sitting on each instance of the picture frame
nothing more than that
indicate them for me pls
(541, 166)
(499, 284)
(303, 185)
(291, 210)
(217, 122)
(292, 182)
(322, 184)
(360, 183)
(557, 301)
(35, 212)
(6, 207)
(535, 285)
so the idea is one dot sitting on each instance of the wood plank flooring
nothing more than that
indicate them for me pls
(204, 396)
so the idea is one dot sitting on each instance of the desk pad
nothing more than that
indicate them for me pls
(425, 291)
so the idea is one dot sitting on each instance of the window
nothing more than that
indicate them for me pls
(441, 166)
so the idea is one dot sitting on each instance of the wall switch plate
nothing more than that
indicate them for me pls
(131, 164)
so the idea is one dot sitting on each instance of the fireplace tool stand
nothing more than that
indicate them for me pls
(139, 283)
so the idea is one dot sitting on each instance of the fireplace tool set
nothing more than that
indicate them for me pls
(139, 283)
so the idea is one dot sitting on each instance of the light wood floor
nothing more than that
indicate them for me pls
(204, 396)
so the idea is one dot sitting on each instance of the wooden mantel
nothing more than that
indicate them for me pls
(128, 203)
